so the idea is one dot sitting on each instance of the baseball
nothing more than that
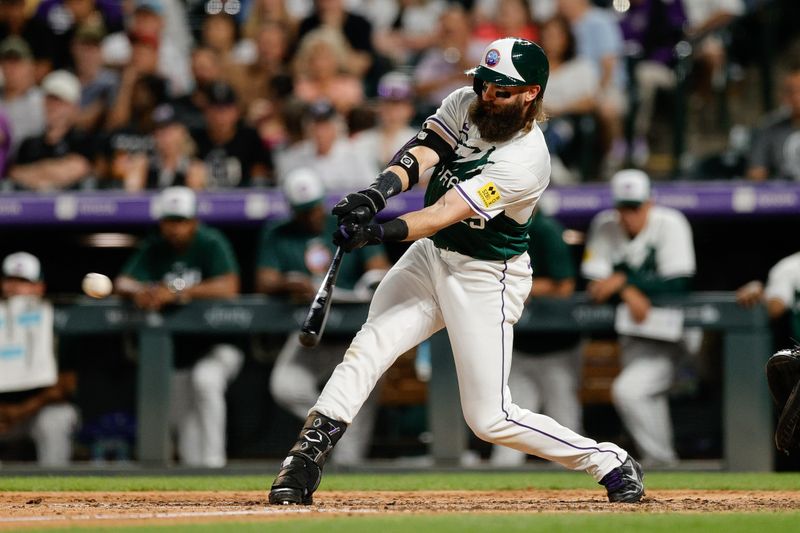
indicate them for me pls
(96, 285)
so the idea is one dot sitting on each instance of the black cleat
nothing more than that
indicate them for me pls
(295, 483)
(625, 483)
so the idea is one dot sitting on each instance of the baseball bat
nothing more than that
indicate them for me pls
(314, 324)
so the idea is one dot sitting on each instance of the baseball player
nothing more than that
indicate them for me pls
(468, 270)
(633, 252)
(293, 257)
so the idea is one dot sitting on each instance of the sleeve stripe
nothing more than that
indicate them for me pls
(443, 126)
(471, 203)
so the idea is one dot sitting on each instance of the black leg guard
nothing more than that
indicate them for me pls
(301, 471)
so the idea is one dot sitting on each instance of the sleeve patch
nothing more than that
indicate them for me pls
(489, 194)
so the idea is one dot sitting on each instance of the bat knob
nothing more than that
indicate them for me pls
(309, 339)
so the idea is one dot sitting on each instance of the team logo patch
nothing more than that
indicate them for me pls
(488, 194)
(492, 58)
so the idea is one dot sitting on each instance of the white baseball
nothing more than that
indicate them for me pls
(96, 285)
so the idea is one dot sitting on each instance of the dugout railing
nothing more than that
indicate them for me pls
(747, 414)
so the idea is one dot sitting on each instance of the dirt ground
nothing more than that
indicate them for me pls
(41, 509)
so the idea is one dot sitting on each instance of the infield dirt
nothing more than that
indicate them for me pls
(41, 509)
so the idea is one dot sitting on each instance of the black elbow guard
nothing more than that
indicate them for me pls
(426, 137)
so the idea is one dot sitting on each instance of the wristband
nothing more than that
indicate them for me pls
(394, 230)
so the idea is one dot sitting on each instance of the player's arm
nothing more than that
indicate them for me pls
(419, 154)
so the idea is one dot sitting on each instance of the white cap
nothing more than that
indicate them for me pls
(177, 202)
(303, 189)
(630, 187)
(22, 265)
(63, 85)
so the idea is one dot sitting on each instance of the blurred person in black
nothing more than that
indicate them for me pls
(233, 153)
(60, 158)
(206, 69)
(173, 161)
(135, 135)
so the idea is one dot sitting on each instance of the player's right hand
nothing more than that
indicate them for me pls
(351, 236)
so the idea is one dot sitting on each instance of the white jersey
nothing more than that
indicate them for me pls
(783, 282)
(501, 182)
(663, 248)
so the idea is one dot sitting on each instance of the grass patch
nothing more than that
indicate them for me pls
(515, 522)
(404, 481)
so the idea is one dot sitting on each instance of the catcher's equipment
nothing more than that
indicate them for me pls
(783, 378)
(512, 62)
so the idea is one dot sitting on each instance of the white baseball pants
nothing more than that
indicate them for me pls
(198, 408)
(479, 302)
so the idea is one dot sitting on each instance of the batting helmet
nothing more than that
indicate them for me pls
(512, 61)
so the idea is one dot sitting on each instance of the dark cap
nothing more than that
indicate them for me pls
(221, 93)
(14, 47)
(164, 115)
(321, 110)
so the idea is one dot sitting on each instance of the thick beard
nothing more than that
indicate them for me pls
(497, 123)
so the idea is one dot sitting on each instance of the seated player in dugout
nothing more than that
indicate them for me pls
(293, 257)
(468, 270)
(35, 388)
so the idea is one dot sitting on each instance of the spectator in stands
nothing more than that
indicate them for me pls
(206, 70)
(185, 261)
(269, 12)
(327, 151)
(322, 71)
(356, 30)
(98, 84)
(149, 27)
(173, 161)
(269, 77)
(15, 19)
(545, 369)
(233, 153)
(56, 21)
(135, 104)
(440, 69)
(411, 32)
(5, 145)
(61, 157)
(395, 110)
(221, 32)
(776, 149)
(651, 29)
(293, 257)
(635, 252)
(22, 99)
(34, 391)
(572, 92)
(599, 39)
(511, 18)
(705, 20)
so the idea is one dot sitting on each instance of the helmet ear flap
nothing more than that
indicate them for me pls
(477, 86)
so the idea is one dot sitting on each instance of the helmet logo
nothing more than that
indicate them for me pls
(492, 57)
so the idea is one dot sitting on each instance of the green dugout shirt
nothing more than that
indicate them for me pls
(288, 247)
(209, 255)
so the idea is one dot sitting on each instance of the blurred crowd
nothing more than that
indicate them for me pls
(144, 94)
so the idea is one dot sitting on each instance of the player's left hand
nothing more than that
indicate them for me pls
(351, 236)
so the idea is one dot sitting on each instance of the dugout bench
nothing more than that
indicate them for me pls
(747, 411)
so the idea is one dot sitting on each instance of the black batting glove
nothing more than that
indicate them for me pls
(359, 207)
(351, 236)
